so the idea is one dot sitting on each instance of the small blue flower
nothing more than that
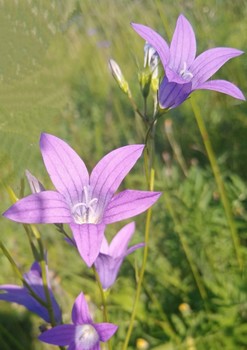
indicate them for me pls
(83, 334)
(22, 296)
(111, 256)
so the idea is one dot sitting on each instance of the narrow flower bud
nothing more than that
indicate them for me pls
(118, 76)
(34, 183)
(149, 76)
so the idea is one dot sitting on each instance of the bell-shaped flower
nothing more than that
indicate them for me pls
(184, 71)
(111, 256)
(86, 203)
(83, 334)
(23, 296)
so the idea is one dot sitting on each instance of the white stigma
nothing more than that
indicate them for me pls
(84, 212)
(185, 73)
(86, 336)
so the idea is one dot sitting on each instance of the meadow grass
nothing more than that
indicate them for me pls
(54, 77)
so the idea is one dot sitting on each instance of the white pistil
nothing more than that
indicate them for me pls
(86, 336)
(185, 74)
(84, 212)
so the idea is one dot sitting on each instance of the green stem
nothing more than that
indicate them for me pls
(44, 278)
(219, 181)
(104, 303)
(143, 267)
(135, 108)
(61, 229)
(44, 275)
(19, 274)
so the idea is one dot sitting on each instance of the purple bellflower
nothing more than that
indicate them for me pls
(86, 203)
(111, 256)
(184, 72)
(22, 296)
(83, 334)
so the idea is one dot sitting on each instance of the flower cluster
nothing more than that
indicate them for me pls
(87, 203)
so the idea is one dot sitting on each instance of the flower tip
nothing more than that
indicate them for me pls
(43, 137)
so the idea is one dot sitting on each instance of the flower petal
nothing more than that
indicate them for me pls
(88, 238)
(105, 330)
(111, 170)
(60, 335)
(172, 95)
(104, 248)
(66, 169)
(40, 208)
(129, 203)
(119, 244)
(80, 311)
(19, 295)
(208, 62)
(95, 347)
(107, 269)
(134, 247)
(183, 46)
(72, 346)
(155, 40)
(222, 86)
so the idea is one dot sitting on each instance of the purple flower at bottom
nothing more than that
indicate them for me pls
(111, 256)
(22, 296)
(86, 203)
(83, 334)
(184, 71)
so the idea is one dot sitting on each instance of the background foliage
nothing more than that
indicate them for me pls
(54, 77)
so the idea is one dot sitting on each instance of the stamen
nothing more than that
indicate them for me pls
(84, 212)
(86, 336)
(186, 74)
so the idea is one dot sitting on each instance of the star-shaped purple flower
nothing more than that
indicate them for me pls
(86, 203)
(184, 71)
(83, 334)
(22, 296)
(111, 256)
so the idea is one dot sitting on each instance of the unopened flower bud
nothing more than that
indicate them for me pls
(145, 81)
(118, 76)
(34, 183)
(151, 61)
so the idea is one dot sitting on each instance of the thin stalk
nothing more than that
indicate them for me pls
(219, 181)
(143, 267)
(44, 279)
(19, 274)
(135, 108)
(61, 229)
(104, 303)
(44, 275)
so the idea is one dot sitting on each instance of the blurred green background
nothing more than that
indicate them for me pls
(54, 78)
